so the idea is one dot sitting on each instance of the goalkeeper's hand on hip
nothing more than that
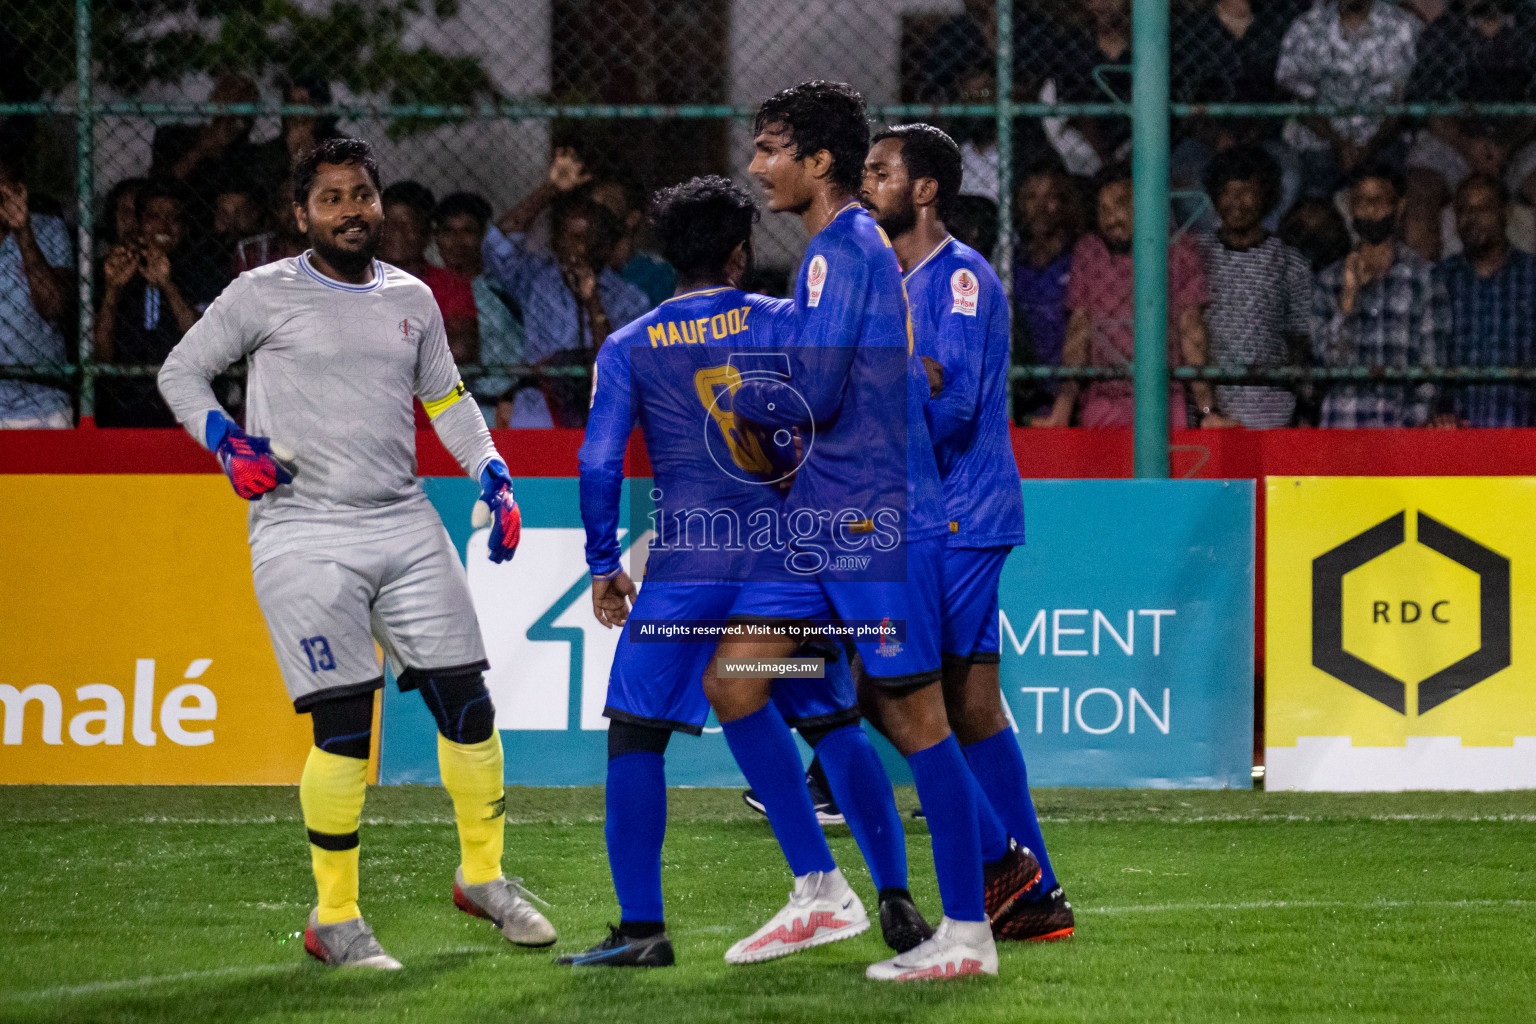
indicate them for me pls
(497, 508)
(254, 465)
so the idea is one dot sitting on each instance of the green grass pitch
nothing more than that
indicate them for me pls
(155, 904)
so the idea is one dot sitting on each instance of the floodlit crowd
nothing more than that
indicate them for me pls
(1344, 241)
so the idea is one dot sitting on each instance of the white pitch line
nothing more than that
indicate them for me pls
(123, 984)
(150, 980)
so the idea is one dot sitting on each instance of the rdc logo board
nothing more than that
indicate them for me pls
(1395, 614)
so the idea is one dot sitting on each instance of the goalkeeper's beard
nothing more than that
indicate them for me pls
(346, 261)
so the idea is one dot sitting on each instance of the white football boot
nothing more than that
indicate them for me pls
(346, 944)
(957, 948)
(822, 909)
(501, 902)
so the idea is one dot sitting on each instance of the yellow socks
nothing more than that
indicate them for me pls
(331, 793)
(472, 774)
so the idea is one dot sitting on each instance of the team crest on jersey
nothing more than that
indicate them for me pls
(887, 648)
(965, 289)
(405, 328)
(816, 279)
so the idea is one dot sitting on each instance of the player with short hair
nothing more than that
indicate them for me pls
(346, 548)
(674, 372)
(866, 517)
(960, 322)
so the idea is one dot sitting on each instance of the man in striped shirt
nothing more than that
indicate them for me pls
(1261, 288)
(1492, 289)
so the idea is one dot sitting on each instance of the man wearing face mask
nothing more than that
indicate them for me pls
(1380, 306)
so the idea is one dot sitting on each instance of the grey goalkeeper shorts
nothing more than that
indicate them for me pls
(326, 608)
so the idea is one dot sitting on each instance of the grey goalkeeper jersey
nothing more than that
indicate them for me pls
(331, 374)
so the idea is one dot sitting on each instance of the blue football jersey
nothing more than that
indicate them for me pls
(960, 318)
(673, 372)
(868, 461)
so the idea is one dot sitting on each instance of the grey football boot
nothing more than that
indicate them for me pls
(346, 944)
(501, 902)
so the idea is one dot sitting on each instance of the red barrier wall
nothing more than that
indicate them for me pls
(1041, 454)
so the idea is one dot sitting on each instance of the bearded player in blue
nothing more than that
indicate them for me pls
(673, 372)
(865, 549)
(960, 324)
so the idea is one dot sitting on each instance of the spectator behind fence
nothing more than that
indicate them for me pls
(973, 220)
(1203, 68)
(1050, 214)
(1315, 228)
(300, 133)
(459, 223)
(1100, 329)
(154, 289)
(1104, 39)
(35, 299)
(1345, 53)
(408, 207)
(626, 199)
(282, 240)
(1261, 288)
(967, 43)
(1478, 51)
(1492, 291)
(571, 300)
(210, 155)
(119, 217)
(1380, 306)
(239, 212)
(1251, 30)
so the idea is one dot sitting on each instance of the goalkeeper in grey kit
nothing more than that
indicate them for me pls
(346, 548)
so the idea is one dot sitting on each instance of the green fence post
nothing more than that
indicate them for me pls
(1002, 257)
(1149, 125)
(85, 205)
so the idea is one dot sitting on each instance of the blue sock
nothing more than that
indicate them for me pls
(999, 767)
(949, 800)
(765, 751)
(636, 824)
(863, 793)
(994, 837)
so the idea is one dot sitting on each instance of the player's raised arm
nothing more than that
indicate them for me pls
(459, 425)
(224, 335)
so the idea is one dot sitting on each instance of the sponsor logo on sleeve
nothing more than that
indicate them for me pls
(965, 289)
(816, 280)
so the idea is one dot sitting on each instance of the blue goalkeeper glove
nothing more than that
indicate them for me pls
(497, 508)
(254, 465)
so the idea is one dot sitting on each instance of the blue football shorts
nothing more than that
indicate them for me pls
(971, 577)
(661, 683)
(910, 661)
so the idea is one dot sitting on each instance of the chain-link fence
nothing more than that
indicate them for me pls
(145, 149)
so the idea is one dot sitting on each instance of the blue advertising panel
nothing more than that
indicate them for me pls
(1126, 624)
(1127, 633)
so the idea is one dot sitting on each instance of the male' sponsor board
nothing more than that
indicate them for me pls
(1396, 608)
(133, 650)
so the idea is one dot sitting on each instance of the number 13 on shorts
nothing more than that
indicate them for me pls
(319, 654)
